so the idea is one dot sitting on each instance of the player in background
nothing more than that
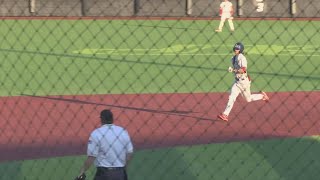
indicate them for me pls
(226, 12)
(242, 81)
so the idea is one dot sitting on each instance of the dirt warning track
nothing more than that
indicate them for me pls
(50, 126)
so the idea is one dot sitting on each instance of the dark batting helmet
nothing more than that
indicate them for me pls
(238, 46)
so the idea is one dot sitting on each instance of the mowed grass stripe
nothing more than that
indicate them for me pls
(52, 74)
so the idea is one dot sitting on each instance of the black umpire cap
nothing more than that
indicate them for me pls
(106, 116)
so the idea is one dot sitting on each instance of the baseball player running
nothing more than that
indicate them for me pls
(226, 12)
(242, 81)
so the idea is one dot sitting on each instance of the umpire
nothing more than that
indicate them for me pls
(109, 148)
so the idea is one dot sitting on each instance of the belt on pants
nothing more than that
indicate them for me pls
(243, 78)
(240, 79)
(110, 168)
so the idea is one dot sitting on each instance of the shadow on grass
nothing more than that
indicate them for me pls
(10, 170)
(276, 159)
(294, 158)
(160, 164)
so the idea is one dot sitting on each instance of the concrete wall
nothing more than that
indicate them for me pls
(108, 7)
(14, 8)
(209, 8)
(199, 8)
(265, 8)
(161, 8)
(307, 8)
(58, 8)
(84, 8)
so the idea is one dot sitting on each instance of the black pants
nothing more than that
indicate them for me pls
(104, 173)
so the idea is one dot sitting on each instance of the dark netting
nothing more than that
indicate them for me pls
(162, 67)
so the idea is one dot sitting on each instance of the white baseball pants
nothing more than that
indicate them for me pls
(241, 87)
(223, 19)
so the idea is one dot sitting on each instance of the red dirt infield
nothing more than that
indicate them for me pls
(50, 126)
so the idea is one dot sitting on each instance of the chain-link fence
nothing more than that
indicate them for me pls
(161, 66)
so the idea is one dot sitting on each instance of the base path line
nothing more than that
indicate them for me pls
(51, 126)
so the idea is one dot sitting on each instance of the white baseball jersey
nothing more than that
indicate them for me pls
(240, 62)
(226, 7)
(110, 145)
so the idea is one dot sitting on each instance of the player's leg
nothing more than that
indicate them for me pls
(223, 19)
(261, 96)
(231, 24)
(235, 91)
(265, 96)
(245, 88)
(246, 93)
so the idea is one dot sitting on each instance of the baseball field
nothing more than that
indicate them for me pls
(165, 81)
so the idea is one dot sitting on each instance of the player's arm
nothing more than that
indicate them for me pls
(129, 147)
(221, 9)
(231, 11)
(220, 12)
(242, 70)
(92, 153)
(86, 165)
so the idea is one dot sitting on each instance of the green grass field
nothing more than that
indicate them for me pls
(99, 57)
(76, 57)
(284, 159)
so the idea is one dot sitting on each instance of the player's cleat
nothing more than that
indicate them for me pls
(218, 30)
(265, 96)
(223, 117)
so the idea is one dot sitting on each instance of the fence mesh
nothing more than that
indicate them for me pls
(162, 69)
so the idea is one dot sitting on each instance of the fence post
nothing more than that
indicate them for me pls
(189, 7)
(239, 7)
(83, 8)
(32, 6)
(136, 6)
(293, 7)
